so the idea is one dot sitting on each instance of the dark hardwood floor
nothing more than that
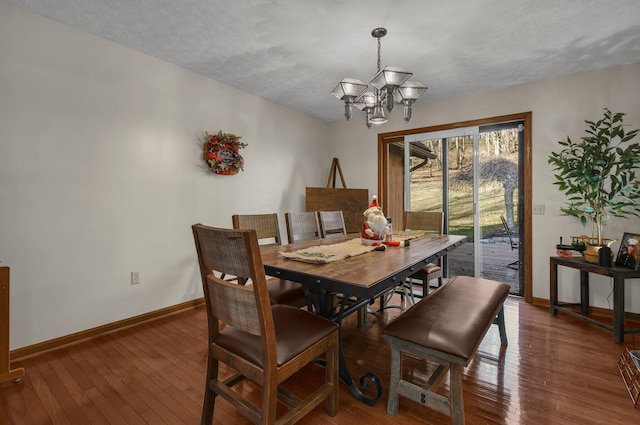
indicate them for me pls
(555, 370)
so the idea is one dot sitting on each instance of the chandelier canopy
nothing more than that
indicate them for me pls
(389, 86)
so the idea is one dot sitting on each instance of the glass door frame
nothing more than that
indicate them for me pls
(384, 139)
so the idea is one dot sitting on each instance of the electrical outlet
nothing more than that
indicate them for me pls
(538, 209)
(135, 278)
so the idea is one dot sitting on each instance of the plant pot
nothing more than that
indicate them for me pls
(592, 247)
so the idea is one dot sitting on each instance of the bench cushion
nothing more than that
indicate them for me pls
(454, 318)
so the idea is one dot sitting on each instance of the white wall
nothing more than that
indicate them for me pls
(559, 108)
(101, 174)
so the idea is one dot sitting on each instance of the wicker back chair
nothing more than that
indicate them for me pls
(332, 224)
(259, 342)
(302, 226)
(431, 222)
(268, 232)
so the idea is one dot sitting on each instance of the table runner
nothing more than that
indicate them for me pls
(322, 254)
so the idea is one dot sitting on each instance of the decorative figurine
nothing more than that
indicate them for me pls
(375, 229)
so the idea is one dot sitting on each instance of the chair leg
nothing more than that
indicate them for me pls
(425, 287)
(269, 402)
(408, 287)
(406, 296)
(362, 316)
(332, 376)
(209, 395)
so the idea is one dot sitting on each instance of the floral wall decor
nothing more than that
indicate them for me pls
(221, 153)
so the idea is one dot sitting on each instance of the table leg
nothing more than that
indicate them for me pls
(368, 378)
(584, 292)
(553, 287)
(365, 379)
(618, 310)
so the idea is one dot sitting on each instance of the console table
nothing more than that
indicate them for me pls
(619, 275)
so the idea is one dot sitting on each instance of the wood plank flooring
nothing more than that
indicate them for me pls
(555, 370)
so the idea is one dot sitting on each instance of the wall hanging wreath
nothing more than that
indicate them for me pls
(221, 153)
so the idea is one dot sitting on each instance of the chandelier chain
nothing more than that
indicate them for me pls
(378, 54)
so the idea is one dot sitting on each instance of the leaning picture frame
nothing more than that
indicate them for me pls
(629, 253)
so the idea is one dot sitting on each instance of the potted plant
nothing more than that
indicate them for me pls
(598, 174)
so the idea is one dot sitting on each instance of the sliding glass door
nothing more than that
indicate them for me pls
(471, 174)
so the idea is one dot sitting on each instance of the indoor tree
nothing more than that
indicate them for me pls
(598, 172)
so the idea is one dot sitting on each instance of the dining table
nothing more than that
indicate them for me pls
(339, 288)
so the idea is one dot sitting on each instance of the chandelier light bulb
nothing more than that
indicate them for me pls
(377, 115)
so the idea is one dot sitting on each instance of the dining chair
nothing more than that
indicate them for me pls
(302, 226)
(332, 224)
(266, 226)
(262, 343)
(280, 291)
(514, 242)
(430, 222)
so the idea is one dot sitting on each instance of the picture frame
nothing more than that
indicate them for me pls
(629, 253)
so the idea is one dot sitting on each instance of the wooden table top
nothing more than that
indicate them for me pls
(364, 276)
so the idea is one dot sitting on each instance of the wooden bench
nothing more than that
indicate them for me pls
(445, 328)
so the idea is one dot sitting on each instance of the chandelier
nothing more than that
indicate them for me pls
(389, 86)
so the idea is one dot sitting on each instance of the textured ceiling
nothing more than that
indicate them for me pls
(294, 52)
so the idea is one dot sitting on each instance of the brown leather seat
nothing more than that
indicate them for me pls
(285, 292)
(454, 318)
(295, 330)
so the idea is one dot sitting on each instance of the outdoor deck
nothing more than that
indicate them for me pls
(497, 254)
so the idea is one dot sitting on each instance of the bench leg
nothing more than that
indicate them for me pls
(500, 322)
(457, 408)
(394, 381)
